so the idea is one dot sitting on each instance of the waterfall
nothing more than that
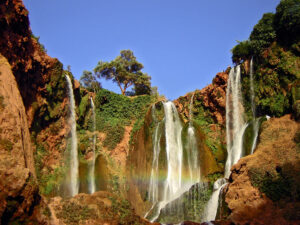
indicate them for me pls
(212, 205)
(74, 184)
(255, 120)
(192, 151)
(153, 186)
(235, 128)
(173, 186)
(174, 152)
(235, 125)
(92, 164)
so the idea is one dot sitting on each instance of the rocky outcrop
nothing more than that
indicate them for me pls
(268, 181)
(212, 98)
(18, 188)
(30, 63)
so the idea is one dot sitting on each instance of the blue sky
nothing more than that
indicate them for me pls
(182, 44)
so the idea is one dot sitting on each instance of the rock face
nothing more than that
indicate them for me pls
(19, 191)
(264, 187)
(212, 98)
(30, 63)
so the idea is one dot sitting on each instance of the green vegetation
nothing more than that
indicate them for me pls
(287, 20)
(6, 144)
(37, 38)
(126, 71)
(73, 213)
(89, 81)
(48, 181)
(115, 111)
(242, 51)
(283, 26)
(274, 46)
(263, 33)
(274, 184)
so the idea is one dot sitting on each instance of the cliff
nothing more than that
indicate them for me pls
(19, 190)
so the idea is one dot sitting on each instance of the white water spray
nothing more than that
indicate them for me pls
(74, 183)
(92, 164)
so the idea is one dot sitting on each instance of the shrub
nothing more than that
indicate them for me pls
(241, 51)
(287, 20)
(114, 112)
(263, 33)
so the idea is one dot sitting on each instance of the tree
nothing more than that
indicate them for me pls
(89, 81)
(263, 33)
(125, 70)
(240, 52)
(287, 20)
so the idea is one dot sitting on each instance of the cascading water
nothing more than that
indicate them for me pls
(74, 171)
(173, 186)
(235, 125)
(192, 151)
(212, 205)
(154, 179)
(92, 163)
(255, 120)
(174, 152)
(235, 128)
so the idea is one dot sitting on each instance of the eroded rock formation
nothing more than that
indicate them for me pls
(263, 187)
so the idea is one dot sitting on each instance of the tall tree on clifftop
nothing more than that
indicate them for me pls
(89, 81)
(125, 70)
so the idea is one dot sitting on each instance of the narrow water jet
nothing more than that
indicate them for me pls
(74, 171)
(255, 120)
(153, 186)
(192, 151)
(92, 163)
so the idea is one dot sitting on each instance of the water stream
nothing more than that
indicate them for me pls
(92, 163)
(235, 129)
(74, 183)
(173, 186)
(255, 120)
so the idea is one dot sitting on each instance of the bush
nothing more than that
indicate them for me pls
(115, 111)
(287, 20)
(275, 185)
(263, 33)
(242, 51)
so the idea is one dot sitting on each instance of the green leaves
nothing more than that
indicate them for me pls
(287, 20)
(89, 81)
(125, 70)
